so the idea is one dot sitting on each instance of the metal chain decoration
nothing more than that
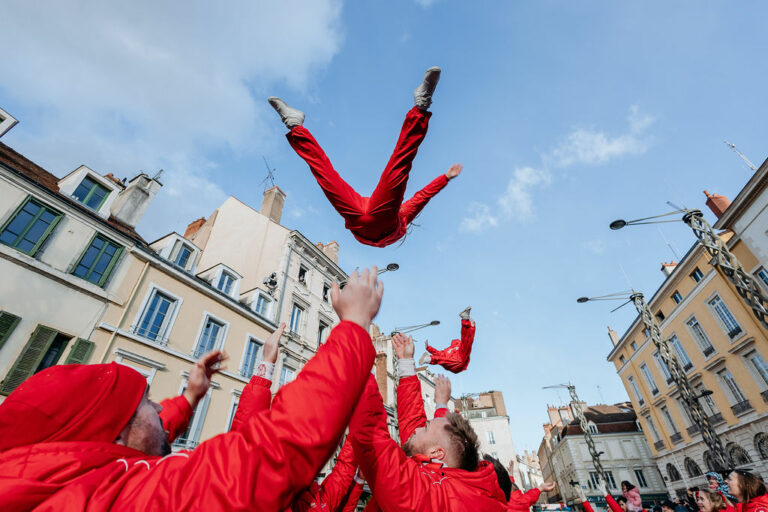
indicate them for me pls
(579, 411)
(708, 434)
(725, 260)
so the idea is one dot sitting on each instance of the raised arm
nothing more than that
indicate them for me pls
(277, 452)
(332, 493)
(410, 405)
(412, 207)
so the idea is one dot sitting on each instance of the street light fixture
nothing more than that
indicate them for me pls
(391, 267)
(722, 257)
(411, 328)
(690, 398)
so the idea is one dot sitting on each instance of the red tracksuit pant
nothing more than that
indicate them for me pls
(377, 217)
(456, 357)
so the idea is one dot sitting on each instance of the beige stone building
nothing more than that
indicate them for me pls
(723, 349)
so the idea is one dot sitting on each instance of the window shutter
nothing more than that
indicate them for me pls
(8, 323)
(80, 352)
(30, 357)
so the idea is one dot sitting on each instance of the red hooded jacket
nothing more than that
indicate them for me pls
(260, 466)
(402, 483)
(757, 504)
(520, 501)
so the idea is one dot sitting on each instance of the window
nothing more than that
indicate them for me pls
(322, 329)
(699, 336)
(91, 193)
(673, 473)
(181, 258)
(611, 481)
(696, 275)
(691, 467)
(663, 367)
(670, 422)
(592, 429)
(156, 317)
(737, 395)
(42, 351)
(262, 305)
(758, 363)
(296, 313)
(232, 411)
(732, 327)
(622, 359)
(253, 352)
(761, 445)
(303, 274)
(634, 346)
(649, 379)
(681, 353)
(286, 375)
(191, 436)
(594, 480)
(636, 390)
(654, 430)
(660, 316)
(762, 276)
(646, 333)
(8, 323)
(706, 402)
(677, 297)
(640, 477)
(226, 280)
(29, 226)
(326, 291)
(491, 438)
(98, 260)
(209, 339)
(738, 454)
(684, 409)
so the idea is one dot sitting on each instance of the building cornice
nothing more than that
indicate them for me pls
(754, 187)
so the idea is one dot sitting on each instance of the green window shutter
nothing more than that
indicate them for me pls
(80, 352)
(8, 323)
(30, 357)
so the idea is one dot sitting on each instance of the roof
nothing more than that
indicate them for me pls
(756, 184)
(608, 418)
(32, 172)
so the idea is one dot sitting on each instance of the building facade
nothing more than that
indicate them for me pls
(529, 474)
(565, 458)
(723, 349)
(487, 414)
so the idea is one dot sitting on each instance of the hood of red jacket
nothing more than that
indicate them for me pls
(31, 474)
(483, 481)
(757, 504)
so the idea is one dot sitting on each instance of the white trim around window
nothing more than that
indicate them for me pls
(259, 355)
(220, 338)
(148, 366)
(165, 330)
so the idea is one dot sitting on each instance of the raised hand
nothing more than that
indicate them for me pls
(547, 487)
(272, 345)
(199, 380)
(360, 299)
(454, 171)
(403, 346)
(442, 389)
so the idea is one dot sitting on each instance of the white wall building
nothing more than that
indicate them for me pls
(488, 415)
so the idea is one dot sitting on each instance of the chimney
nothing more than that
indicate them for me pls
(668, 268)
(194, 226)
(131, 203)
(613, 335)
(717, 203)
(272, 204)
(331, 250)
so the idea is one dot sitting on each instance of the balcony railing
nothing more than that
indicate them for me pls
(716, 419)
(735, 332)
(708, 350)
(741, 407)
(148, 335)
(764, 394)
(693, 429)
(688, 366)
(676, 437)
(659, 445)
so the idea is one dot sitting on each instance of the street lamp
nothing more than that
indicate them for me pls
(690, 398)
(411, 328)
(391, 267)
(722, 257)
(579, 411)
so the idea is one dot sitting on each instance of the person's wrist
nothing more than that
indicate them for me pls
(363, 321)
(192, 397)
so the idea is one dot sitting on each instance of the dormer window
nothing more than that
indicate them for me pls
(183, 255)
(177, 250)
(226, 280)
(592, 428)
(91, 193)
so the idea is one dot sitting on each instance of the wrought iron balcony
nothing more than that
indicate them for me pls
(676, 437)
(693, 429)
(716, 419)
(659, 445)
(734, 333)
(710, 349)
(741, 407)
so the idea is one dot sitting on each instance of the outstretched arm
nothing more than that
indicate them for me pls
(412, 207)
(410, 406)
(332, 493)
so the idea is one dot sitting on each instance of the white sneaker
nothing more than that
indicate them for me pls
(291, 117)
(464, 315)
(425, 359)
(422, 96)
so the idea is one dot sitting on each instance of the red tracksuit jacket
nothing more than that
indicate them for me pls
(260, 466)
(402, 483)
(520, 501)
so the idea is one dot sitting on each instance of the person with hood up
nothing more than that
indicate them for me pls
(438, 466)
(383, 218)
(455, 358)
(76, 437)
(749, 491)
(715, 482)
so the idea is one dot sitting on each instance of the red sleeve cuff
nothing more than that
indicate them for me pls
(441, 412)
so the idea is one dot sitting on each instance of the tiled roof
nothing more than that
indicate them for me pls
(26, 168)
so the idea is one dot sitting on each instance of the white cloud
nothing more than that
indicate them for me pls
(594, 246)
(478, 219)
(143, 85)
(426, 3)
(591, 147)
(517, 200)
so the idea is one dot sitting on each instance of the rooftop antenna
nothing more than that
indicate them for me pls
(746, 160)
(600, 392)
(156, 177)
(671, 248)
(270, 178)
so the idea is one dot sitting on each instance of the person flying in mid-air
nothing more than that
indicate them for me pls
(455, 358)
(383, 218)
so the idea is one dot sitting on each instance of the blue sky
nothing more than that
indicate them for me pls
(565, 115)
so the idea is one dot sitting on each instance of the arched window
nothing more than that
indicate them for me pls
(761, 445)
(673, 473)
(691, 467)
(739, 455)
(711, 463)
